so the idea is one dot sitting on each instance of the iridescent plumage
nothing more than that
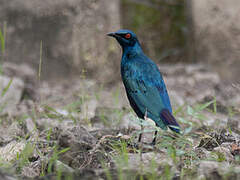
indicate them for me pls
(143, 82)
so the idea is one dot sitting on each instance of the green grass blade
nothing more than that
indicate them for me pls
(6, 88)
(2, 42)
(40, 61)
(205, 105)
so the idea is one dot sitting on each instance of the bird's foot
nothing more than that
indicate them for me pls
(143, 147)
(153, 143)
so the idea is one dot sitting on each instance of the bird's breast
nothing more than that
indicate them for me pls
(128, 72)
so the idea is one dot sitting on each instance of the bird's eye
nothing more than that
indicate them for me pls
(128, 36)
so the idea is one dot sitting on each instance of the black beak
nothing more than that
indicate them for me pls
(112, 34)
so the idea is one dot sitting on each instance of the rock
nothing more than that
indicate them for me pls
(144, 161)
(33, 169)
(190, 85)
(10, 151)
(31, 127)
(46, 123)
(77, 138)
(228, 149)
(235, 150)
(202, 153)
(223, 154)
(25, 107)
(25, 73)
(11, 91)
(10, 132)
(214, 139)
(64, 28)
(216, 35)
(7, 176)
(216, 170)
(194, 83)
(83, 152)
(234, 123)
(86, 173)
(60, 166)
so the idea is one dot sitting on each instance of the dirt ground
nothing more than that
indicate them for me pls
(80, 129)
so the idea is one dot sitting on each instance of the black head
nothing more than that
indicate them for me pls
(125, 38)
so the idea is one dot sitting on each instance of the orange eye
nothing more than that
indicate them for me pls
(127, 36)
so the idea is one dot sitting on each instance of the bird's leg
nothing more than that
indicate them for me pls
(139, 141)
(154, 139)
(145, 115)
(140, 135)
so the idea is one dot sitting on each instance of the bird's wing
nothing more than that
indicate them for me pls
(169, 120)
(148, 92)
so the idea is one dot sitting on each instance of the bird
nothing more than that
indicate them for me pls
(144, 84)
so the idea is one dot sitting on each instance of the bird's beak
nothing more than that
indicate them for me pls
(112, 34)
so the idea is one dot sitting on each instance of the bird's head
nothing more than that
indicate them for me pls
(125, 38)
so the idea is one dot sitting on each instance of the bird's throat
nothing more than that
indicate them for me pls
(132, 51)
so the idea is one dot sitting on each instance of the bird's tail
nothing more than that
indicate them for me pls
(169, 120)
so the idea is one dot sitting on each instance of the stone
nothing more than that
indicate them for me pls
(31, 127)
(11, 91)
(201, 153)
(60, 166)
(7, 175)
(46, 123)
(234, 123)
(10, 132)
(225, 153)
(31, 171)
(26, 73)
(235, 149)
(77, 138)
(64, 27)
(9, 152)
(23, 71)
(216, 34)
(144, 161)
(189, 83)
(212, 140)
(198, 83)
(217, 170)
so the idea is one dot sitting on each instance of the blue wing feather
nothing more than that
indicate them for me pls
(169, 120)
(147, 92)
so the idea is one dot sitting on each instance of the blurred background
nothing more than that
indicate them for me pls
(63, 43)
(72, 34)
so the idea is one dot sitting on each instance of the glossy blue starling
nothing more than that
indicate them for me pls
(144, 85)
